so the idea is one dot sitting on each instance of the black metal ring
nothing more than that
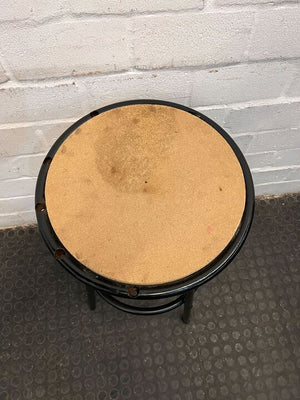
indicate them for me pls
(115, 288)
(142, 310)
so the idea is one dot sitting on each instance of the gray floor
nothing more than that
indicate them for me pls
(243, 342)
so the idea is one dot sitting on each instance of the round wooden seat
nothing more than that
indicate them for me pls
(145, 194)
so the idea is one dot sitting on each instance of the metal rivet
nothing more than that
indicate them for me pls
(133, 291)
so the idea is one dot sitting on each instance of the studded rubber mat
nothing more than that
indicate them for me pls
(243, 342)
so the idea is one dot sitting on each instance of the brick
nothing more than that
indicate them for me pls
(190, 39)
(22, 166)
(216, 114)
(276, 34)
(164, 85)
(67, 48)
(240, 83)
(29, 140)
(34, 103)
(61, 101)
(243, 142)
(3, 76)
(248, 2)
(281, 158)
(16, 204)
(278, 188)
(17, 187)
(17, 219)
(287, 157)
(279, 140)
(11, 10)
(294, 88)
(275, 175)
(261, 160)
(126, 6)
(263, 117)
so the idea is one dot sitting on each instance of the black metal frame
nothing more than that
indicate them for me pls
(107, 288)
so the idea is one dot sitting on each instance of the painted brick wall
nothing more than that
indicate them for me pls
(235, 60)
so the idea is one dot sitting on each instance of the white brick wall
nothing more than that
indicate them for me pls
(237, 61)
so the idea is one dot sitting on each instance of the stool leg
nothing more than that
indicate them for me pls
(91, 292)
(188, 305)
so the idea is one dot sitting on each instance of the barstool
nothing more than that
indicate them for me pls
(144, 200)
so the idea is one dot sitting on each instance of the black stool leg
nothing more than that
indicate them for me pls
(91, 292)
(188, 305)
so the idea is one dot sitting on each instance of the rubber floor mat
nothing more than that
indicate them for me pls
(243, 342)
